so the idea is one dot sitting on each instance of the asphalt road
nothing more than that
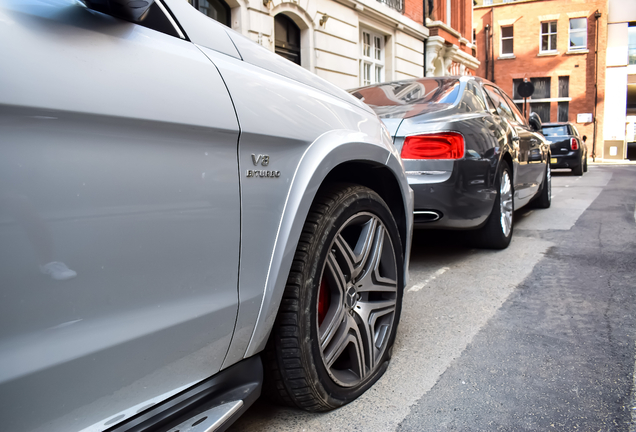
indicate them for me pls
(540, 336)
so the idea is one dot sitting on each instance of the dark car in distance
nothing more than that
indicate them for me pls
(471, 158)
(567, 147)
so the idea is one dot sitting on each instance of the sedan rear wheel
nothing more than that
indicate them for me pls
(544, 199)
(497, 232)
(337, 322)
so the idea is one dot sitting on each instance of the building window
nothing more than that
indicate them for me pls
(578, 34)
(541, 91)
(372, 64)
(286, 38)
(564, 91)
(507, 34)
(515, 87)
(564, 86)
(631, 34)
(216, 9)
(564, 108)
(541, 88)
(549, 36)
(542, 109)
(487, 2)
(398, 5)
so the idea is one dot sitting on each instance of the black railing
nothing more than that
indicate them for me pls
(398, 5)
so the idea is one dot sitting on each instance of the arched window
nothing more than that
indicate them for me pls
(216, 9)
(287, 38)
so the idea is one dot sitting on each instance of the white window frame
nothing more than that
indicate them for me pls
(550, 35)
(502, 38)
(583, 30)
(369, 60)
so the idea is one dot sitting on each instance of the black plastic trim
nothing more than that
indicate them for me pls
(242, 381)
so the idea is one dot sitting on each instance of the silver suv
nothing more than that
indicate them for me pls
(184, 215)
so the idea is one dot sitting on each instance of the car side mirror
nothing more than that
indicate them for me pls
(584, 138)
(129, 10)
(535, 121)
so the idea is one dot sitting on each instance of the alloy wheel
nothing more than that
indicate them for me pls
(548, 178)
(357, 299)
(505, 202)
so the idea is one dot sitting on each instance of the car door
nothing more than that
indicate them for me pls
(536, 148)
(520, 141)
(119, 217)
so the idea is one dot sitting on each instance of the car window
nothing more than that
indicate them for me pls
(500, 104)
(472, 100)
(513, 108)
(555, 130)
(574, 130)
(157, 19)
(489, 103)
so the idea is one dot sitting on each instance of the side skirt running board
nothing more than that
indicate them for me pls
(210, 420)
(211, 405)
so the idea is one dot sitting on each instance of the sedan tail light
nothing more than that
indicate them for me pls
(574, 144)
(444, 145)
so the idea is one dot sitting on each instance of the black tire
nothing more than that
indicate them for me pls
(300, 369)
(494, 235)
(544, 199)
(578, 170)
(585, 164)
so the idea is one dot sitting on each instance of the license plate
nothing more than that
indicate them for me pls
(553, 160)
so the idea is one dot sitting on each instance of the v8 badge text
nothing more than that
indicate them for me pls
(264, 161)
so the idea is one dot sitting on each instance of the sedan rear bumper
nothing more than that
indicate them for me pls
(570, 160)
(458, 198)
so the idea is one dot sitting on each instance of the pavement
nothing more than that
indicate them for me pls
(539, 336)
(611, 162)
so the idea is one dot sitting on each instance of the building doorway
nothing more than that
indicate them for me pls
(287, 38)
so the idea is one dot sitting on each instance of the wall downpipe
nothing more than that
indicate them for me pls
(597, 15)
(425, 12)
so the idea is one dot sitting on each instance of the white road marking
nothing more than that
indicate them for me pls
(421, 285)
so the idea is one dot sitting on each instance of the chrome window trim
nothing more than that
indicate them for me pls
(172, 21)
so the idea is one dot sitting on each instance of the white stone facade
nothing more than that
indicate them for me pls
(331, 36)
(444, 59)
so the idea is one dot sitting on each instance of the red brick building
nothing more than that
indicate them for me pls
(449, 47)
(553, 44)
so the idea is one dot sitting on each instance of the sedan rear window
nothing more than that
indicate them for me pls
(555, 130)
(403, 99)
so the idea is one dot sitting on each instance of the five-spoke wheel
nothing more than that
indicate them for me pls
(497, 232)
(336, 325)
(357, 299)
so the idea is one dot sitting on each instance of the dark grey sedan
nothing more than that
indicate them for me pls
(567, 147)
(470, 156)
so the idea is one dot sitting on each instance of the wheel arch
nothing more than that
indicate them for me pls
(381, 180)
(508, 158)
(319, 164)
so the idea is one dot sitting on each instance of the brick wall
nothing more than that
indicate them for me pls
(414, 9)
(528, 61)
